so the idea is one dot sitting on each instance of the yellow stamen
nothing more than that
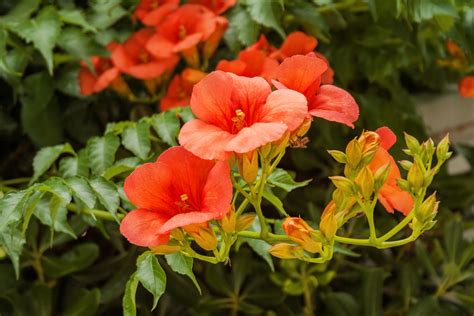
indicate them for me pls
(239, 119)
(184, 197)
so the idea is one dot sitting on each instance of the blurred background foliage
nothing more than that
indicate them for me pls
(382, 51)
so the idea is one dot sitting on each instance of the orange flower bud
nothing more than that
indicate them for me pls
(203, 235)
(228, 221)
(300, 232)
(177, 234)
(328, 224)
(370, 143)
(248, 166)
(164, 249)
(304, 128)
(286, 251)
(121, 87)
(244, 221)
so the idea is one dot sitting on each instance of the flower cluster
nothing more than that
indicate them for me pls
(170, 31)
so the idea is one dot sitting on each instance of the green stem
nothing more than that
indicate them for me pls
(353, 241)
(14, 181)
(93, 212)
(270, 237)
(398, 227)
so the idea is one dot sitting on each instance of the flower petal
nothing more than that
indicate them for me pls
(285, 106)
(255, 136)
(141, 227)
(394, 198)
(160, 47)
(234, 66)
(154, 17)
(334, 104)
(87, 81)
(298, 43)
(183, 219)
(205, 140)
(218, 190)
(105, 79)
(211, 99)
(387, 137)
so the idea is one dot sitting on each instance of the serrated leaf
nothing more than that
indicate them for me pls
(105, 13)
(78, 258)
(129, 304)
(82, 190)
(43, 31)
(242, 27)
(74, 166)
(101, 152)
(45, 158)
(261, 247)
(311, 20)
(123, 165)
(136, 138)
(182, 264)
(85, 303)
(274, 200)
(265, 13)
(151, 275)
(185, 113)
(23, 9)
(107, 194)
(76, 17)
(78, 44)
(282, 179)
(30, 206)
(167, 126)
(51, 211)
(11, 208)
(12, 241)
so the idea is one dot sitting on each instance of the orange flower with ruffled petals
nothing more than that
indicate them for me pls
(296, 43)
(304, 74)
(177, 190)
(133, 58)
(251, 63)
(466, 87)
(180, 89)
(390, 195)
(237, 115)
(216, 6)
(152, 12)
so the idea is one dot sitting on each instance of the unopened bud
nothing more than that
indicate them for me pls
(442, 150)
(177, 234)
(406, 165)
(304, 127)
(339, 156)
(165, 249)
(428, 209)
(340, 198)
(370, 143)
(342, 183)
(244, 221)
(328, 224)
(412, 144)
(286, 251)
(248, 164)
(300, 232)
(280, 145)
(203, 235)
(403, 184)
(429, 148)
(365, 182)
(266, 149)
(229, 221)
(381, 176)
(353, 153)
(415, 177)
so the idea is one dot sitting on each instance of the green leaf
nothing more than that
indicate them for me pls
(107, 194)
(282, 179)
(78, 258)
(341, 304)
(11, 208)
(40, 115)
(105, 13)
(84, 304)
(274, 200)
(422, 10)
(261, 247)
(12, 241)
(101, 152)
(78, 44)
(265, 13)
(372, 290)
(311, 20)
(43, 31)
(121, 166)
(76, 17)
(185, 113)
(74, 166)
(52, 211)
(39, 299)
(151, 275)
(23, 9)
(242, 27)
(182, 264)
(136, 138)
(167, 126)
(453, 240)
(82, 190)
(128, 302)
(45, 158)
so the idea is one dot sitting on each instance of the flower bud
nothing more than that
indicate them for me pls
(339, 156)
(365, 182)
(328, 224)
(415, 177)
(370, 143)
(442, 149)
(229, 221)
(280, 145)
(405, 164)
(300, 232)
(120, 86)
(177, 234)
(286, 251)
(304, 128)
(381, 176)
(353, 153)
(428, 209)
(343, 183)
(203, 235)
(412, 144)
(165, 249)
(248, 166)
(244, 221)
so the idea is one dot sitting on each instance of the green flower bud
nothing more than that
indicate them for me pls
(442, 150)
(405, 164)
(353, 153)
(416, 177)
(343, 183)
(339, 156)
(365, 182)
(381, 176)
(428, 209)
(412, 144)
